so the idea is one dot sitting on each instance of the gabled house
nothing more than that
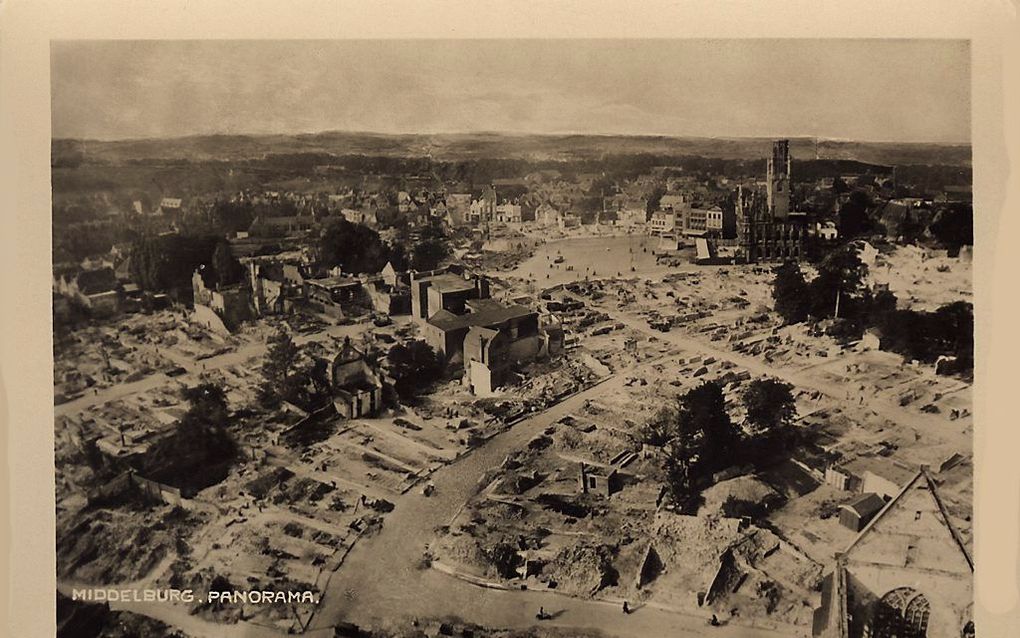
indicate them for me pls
(356, 386)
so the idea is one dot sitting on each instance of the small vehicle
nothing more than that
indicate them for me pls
(381, 320)
(176, 371)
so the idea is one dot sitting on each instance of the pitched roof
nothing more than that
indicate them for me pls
(485, 315)
(865, 505)
(913, 530)
(446, 320)
(348, 353)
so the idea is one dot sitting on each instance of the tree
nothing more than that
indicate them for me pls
(661, 428)
(770, 406)
(840, 280)
(207, 404)
(791, 293)
(954, 329)
(654, 198)
(909, 228)
(703, 419)
(700, 439)
(398, 257)
(679, 478)
(853, 215)
(201, 449)
(953, 226)
(231, 217)
(882, 304)
(166, 262)
(926, 336)
(413, 366)
(280, 378)
(428, 253)
(227, 268)
(353, 247)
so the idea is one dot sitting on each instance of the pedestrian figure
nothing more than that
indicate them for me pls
(626, 607)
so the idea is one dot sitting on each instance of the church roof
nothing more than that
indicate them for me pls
(913, 530)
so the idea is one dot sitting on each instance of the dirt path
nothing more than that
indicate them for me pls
(933, 428)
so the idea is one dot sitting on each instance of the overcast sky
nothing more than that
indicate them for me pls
(868, 90)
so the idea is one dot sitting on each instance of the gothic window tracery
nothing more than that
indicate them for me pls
(901, 613)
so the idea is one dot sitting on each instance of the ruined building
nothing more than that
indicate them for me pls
(767, 230)
(221, 309)
(907, 574)
(356, 385)
(484, 336)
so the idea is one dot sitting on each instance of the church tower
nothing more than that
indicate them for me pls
(778, 180)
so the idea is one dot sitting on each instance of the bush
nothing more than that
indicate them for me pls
(414, 366)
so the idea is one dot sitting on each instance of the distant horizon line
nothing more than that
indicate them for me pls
(508, 134)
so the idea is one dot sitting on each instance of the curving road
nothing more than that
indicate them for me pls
(381, 583)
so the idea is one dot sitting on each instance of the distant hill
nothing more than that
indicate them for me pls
(66, 152)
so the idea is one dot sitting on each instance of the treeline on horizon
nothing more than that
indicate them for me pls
(486, 170)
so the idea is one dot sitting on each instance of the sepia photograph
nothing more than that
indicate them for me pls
(544, 338)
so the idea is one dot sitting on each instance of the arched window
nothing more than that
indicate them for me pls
(902, 613)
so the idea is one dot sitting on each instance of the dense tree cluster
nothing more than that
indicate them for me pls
(232, 216)
(353, 247)
(227, 270)
(953, 226)
(162, 263)
(926, 336)
(74, 243)
(413, 366)
(699, 438)
(853, 215)
(654, 199)
(791, 293)
(201, 450)
(428, 250)
(838, 291)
